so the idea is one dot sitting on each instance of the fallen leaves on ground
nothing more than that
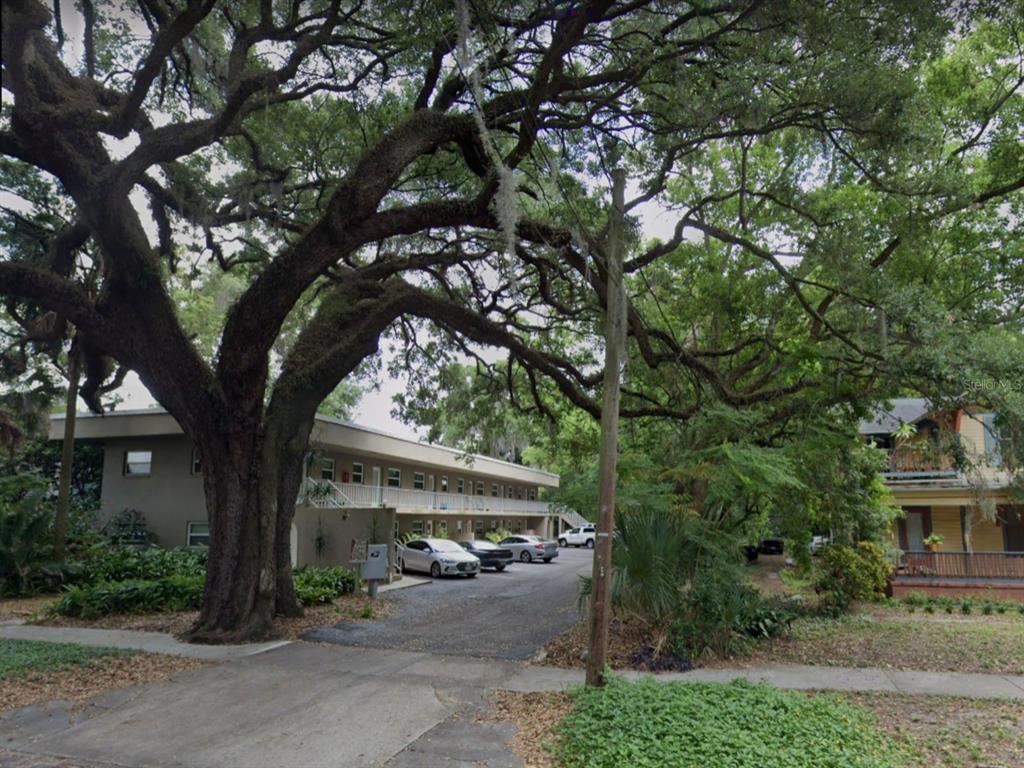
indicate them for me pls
(350, 607)
(77, 683)
(24, 607)
(534, 715)
(948, 731)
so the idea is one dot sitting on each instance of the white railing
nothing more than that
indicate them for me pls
(572, 517)
(327, 493)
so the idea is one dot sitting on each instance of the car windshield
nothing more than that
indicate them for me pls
(443, 545)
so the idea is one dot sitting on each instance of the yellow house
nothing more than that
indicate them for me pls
(961, 530)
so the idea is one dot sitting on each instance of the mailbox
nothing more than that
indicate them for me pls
(376, 566)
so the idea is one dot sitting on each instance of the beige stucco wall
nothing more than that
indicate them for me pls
(339, 527)
(170, 497)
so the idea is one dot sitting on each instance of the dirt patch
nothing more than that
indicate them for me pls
(77, 683)
(535, 716)
(629, 647)
(947, 731)
(350, 607)
(24, 607)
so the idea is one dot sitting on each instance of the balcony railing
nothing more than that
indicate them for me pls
(329, 494)
(907, 463)
(966, 565)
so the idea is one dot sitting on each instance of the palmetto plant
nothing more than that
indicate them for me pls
(656, 557)
(24, 542)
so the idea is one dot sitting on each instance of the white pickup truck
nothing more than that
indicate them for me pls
(579, 537)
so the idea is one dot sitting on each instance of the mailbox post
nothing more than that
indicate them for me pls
(375, 568)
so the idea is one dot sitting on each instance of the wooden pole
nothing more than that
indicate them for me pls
(615, 343)
(67, 453)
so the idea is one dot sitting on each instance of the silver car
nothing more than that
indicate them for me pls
(438, 557)
(528, 548)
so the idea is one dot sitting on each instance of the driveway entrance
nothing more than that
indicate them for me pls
(508, 615)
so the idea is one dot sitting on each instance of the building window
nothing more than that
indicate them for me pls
(138, 463)
(417, 527)
(460, 486)
(479, 487)
(357, 473)
(442, 528)
(394, 478)
(444, 483)
(479, 527)
(494, 525)
(199, 534)
(494, 489)
(326, 469)
(417, 481)
(458, 526)
(532, 494)
(197, 465)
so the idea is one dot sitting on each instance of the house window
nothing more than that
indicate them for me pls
(417, 481)
(357, 473)
(198, 534)
(197, 465)
(138, 463)
(460, 486)
(394, 478)
(992, 452)
(417, 527)
(479, 487)
(494, 489)
(326, 469)
(444, 483)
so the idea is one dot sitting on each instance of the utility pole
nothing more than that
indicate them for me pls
(60, 523)
(615, 344)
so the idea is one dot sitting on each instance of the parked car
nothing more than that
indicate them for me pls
(818, 543)
(584, 536)
(490, 555)
(771, 546)
(438, 557)
(528, 548)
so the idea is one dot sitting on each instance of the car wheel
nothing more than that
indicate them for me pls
(547, 559)
(563, 543)
(525, 557)
(470, 575)
(435, 570)
(590, 543)
(499, 568)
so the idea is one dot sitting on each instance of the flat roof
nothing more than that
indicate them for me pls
(327, 430)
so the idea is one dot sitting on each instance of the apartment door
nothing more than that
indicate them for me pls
(915, 528)
(378, 491)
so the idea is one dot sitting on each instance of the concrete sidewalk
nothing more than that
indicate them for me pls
(150, 642)
(803, 678)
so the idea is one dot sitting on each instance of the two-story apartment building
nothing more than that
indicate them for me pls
(360, 483)
(968, 504)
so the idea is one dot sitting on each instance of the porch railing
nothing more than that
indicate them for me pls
(327, 493)
(968, 565)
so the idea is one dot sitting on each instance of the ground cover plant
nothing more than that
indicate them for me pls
(737, 725)
(20, 657)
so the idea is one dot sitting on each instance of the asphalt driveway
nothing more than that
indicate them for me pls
(508, 615)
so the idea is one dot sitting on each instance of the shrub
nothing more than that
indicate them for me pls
(26, 563)
(852, 573)
(321, 585)
(173, 593)
(104, 563)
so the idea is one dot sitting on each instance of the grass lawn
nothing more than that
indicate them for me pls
(33, 672)
(898, 640)
(743, 726)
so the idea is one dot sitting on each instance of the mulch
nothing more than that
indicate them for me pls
(78, 683)
(629, 647)
(535, 716)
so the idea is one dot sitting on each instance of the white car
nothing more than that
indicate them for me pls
(584, 536)
(438, 557)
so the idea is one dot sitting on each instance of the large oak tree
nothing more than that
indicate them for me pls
(362, 166)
